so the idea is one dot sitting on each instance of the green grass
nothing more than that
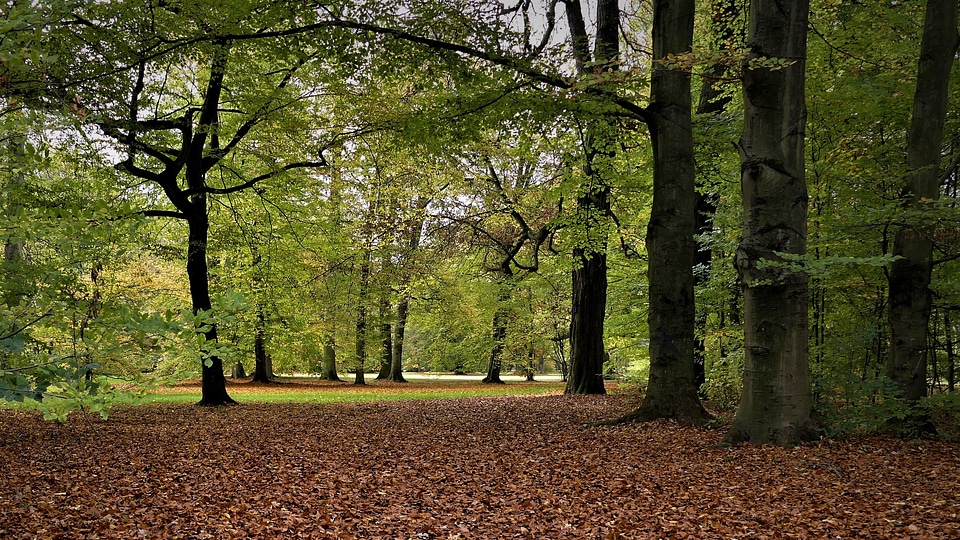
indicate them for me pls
(347, 392)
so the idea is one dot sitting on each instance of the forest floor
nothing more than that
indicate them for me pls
(471, 468)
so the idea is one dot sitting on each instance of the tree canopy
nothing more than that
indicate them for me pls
(672, 192)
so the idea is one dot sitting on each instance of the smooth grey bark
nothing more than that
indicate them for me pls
(910, 298)
(776, 403)
(671, 392)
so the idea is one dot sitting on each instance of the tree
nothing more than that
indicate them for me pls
(910, 298)
(670, 235)
(174, 141)
(776, 403)
(589, 276)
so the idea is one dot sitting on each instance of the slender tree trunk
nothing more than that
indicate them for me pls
(330, 361)
(14, 262)
(386, 344)
(414, 232)
(704, 210)
(361, 338)
(262, 371)
(213, 383)
(909, 277)
(951, 354)
(726, 35)
(400, 325)
(776, 403)
(671, 392)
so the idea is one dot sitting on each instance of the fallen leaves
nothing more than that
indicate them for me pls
(491, 467)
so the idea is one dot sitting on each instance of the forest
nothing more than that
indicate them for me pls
(735, 206)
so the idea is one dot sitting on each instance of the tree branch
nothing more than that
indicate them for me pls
(253, 181)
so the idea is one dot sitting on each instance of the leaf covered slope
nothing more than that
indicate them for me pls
(501, 467)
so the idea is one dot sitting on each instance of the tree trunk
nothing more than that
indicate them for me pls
(238, 371)
(704, 210)
(909, 277)
(500, 318)
(361, 338)
(586, 324)
(330, 361)
(589, 276)
(671, 392)
(386, 345)
(713, 101)
(396, 361)
(951, 354)
(16, 288)
(213, 383)
(776, 403)
(262, 371)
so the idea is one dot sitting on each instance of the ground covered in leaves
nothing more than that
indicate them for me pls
(473, 468)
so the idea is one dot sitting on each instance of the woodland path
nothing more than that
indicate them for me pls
(475, 468)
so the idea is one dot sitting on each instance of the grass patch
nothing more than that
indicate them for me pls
(301, 390)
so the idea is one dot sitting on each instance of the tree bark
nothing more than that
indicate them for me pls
(725, 35)
(330, 361)
(386, 345)
(500, 317)
(399, 328)
(262, 371)
(671, 392)
(951, 354)
(586, 323)
(213, 388)
(776, 403)
(910, 298)
(361, 326)
(15, 288)
(589, 276)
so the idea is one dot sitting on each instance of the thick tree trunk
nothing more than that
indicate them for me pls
(400, 325)
(586, 323)
(238, 371)
(262, 371)
(671, 392)
(500, 317)
(330, 361)
(589, 276)
(909, 277)
(776, 403)
(213, 383)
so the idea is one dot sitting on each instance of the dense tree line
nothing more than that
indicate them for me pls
(751, 205)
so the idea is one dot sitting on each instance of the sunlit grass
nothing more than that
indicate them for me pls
(306, 391)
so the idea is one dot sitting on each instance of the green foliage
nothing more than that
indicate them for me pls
(57, 389)
(944, 412)
(850, 404)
